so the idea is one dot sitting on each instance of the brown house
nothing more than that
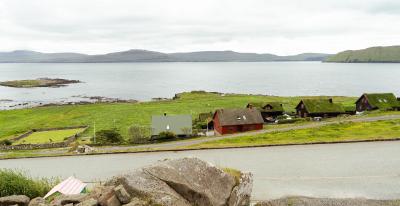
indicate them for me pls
(319, 108)
(229, 121)
(373, 101)
(268, 109)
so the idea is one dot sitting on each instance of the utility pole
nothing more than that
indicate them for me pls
(94, 132)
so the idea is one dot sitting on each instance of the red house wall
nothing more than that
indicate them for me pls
(231, 129)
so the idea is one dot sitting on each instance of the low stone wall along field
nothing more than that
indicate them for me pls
(54, 136)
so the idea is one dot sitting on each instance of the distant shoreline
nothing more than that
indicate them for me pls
(137, 55)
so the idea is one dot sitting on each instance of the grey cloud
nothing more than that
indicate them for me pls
(285, 26)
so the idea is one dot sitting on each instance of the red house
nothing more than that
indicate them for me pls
(229, 121)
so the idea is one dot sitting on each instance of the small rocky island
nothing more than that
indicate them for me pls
(41, 82)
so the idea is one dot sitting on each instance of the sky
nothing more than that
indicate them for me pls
(281, 27)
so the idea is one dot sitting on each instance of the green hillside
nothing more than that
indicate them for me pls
(388, 54)
(123, 115)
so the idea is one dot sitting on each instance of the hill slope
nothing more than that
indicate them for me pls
(135, 55)
(388, 54)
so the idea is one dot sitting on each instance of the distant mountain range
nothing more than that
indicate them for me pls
(24, 56)
(389, 54)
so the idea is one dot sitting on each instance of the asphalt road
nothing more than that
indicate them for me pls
(368, 170)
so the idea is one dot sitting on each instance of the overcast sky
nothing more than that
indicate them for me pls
(263, 26)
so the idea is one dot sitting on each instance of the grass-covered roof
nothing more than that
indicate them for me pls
(382, 100)
(276, 107)
(261, 106)
(321, 106)
(205, 116)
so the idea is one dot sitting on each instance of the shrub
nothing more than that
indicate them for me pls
(108, 136)
(138, 134)
(5, 142)
(14, 182)
(166, 135)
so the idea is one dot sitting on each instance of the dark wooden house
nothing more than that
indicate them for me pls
(319, 108)
(229, 121)
(268, 109)
(373, 101)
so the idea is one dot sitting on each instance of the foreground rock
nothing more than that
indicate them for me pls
(306, 201)
(37, 202)
(180, 182)
(185, 182)
(20, 200)
(69, 199)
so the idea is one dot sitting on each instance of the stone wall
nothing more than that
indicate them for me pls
(42, 146)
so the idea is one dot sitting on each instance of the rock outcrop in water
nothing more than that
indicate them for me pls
(41, 82)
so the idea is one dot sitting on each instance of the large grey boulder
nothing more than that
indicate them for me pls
(185, 182)
(123, 196)
(145, 186)
(241, 193)
(137, 202)
(38, 201)
(88, 202)
(20, 200)
(105, 195)
(69, 199)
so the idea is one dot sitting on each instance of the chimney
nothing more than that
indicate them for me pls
(330, 100)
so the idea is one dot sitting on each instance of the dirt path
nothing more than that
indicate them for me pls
(175, 144)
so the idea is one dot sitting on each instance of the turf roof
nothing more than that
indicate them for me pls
(321, 106)
(382, 100)
(276, 106)
(205, 116)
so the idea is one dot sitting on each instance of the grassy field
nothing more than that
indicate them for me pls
(122, 115)
(348, 131)
(372, 54)
(49, 136)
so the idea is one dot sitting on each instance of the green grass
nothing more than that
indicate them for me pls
(14, 182)
(372, 54)
(348, 131)
(14, 122)
(22, 83)
(49, 136)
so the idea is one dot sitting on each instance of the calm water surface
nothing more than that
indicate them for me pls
(143, 81)
(370, 170)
